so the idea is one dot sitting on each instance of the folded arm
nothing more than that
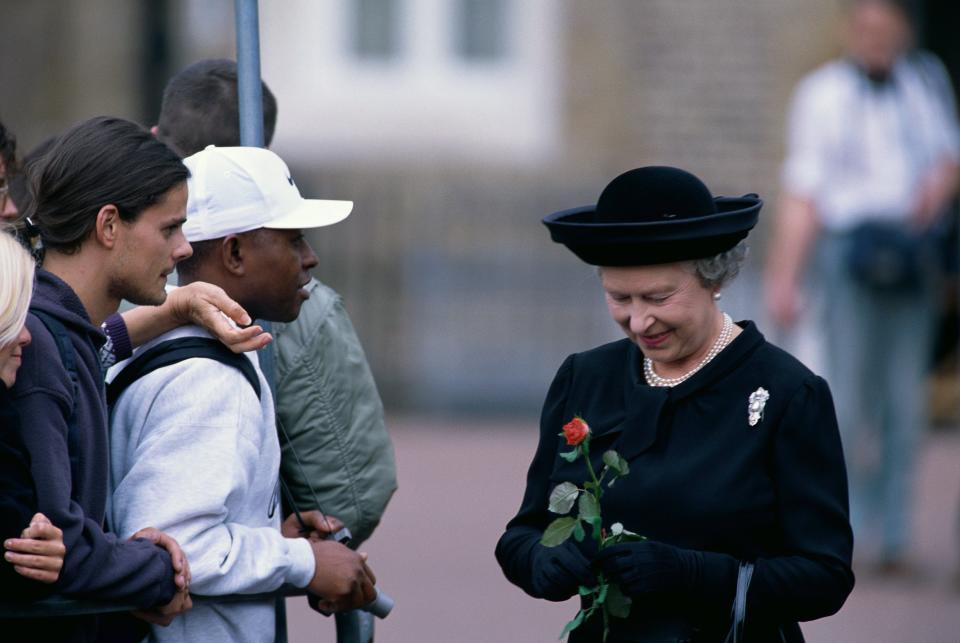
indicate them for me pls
(96, 564)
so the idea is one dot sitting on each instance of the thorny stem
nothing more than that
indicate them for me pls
(598, 491)
(606, 620)
(593, 474)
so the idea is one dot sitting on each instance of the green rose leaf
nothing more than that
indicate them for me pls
(613, 460)
(570, 456)
(562, 497)
(583, 590)
(617, 604)
(632, 538)
(604, 590)
(572, 625)
(558, 531)
(589, 508)
(578, 532)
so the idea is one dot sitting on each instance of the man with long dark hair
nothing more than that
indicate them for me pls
(109, 203)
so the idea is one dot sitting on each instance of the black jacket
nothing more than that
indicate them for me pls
(702, 478)
(97, 565)
(18, 501)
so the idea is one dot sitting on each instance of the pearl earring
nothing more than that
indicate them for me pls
(717, 295)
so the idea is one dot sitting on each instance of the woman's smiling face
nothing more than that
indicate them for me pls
(665, 310)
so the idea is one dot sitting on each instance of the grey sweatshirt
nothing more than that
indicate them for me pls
(195, 453)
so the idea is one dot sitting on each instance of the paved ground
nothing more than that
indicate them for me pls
(460, 481)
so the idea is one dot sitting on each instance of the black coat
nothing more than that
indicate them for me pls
(18, 500)
(702, 478)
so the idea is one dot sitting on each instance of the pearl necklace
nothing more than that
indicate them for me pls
(726, 334)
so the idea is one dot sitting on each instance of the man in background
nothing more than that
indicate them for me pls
(871, 167)
(337, 456)
(8, 167)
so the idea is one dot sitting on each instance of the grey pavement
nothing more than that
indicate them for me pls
(461, 480)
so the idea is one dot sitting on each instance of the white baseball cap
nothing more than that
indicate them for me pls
(237, 189)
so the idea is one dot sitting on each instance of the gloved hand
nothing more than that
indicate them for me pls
(648, 567)
(559, 571)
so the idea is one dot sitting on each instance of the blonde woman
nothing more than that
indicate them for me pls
(33, 547)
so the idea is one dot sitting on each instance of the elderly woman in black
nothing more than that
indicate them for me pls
(736, 472)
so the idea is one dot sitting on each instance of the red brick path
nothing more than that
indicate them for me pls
(461, 480)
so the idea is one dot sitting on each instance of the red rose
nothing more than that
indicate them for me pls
(576, 431)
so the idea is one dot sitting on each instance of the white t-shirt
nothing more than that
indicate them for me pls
(859, 151)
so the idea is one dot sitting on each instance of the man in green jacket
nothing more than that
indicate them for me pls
(336, 453)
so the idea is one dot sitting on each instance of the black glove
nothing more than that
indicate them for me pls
(559, 571)
(648, 567)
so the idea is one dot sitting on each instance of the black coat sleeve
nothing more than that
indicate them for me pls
(809, 576)
(98, 564)
(516, 548)
(18, 503)
(812, 578)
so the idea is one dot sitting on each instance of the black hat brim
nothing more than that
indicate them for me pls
(654, 242)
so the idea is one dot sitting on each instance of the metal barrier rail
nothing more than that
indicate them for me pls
(58, 606)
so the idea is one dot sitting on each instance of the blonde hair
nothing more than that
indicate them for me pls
(16, 286)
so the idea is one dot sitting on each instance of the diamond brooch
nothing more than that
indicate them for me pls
(755, 404)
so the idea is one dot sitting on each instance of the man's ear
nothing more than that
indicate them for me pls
(107, 229)
(233, 254)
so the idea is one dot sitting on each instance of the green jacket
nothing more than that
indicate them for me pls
(328, 405)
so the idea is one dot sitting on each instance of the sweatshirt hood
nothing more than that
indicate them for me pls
(55, 297)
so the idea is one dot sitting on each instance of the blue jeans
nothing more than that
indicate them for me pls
(878, 346)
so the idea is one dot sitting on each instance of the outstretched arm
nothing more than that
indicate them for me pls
(202, 304)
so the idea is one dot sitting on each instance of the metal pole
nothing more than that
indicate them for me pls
(250, 97)
(248, 73)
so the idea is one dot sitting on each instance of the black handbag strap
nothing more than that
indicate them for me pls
(177, 350)
(744, 574)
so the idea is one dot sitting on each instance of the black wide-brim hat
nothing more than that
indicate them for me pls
(654, 215)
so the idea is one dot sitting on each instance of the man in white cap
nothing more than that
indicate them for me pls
(194, 448)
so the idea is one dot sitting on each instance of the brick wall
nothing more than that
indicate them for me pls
(456, 290)
(458, 294)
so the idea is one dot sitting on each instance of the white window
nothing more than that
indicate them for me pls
(390, 80)
(480, 29)
(375, 28)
